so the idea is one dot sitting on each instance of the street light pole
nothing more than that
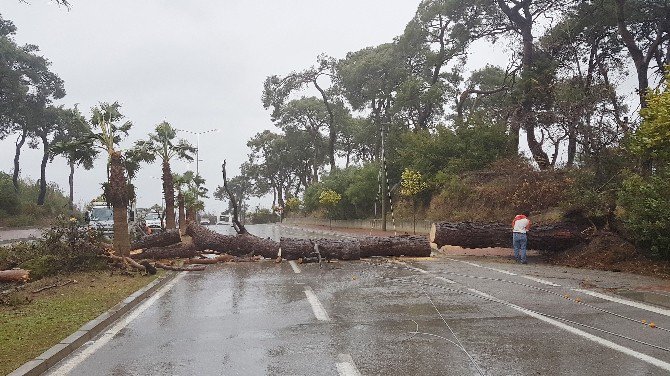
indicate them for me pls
(197, 145)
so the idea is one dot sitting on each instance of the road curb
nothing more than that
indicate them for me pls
(89, 330)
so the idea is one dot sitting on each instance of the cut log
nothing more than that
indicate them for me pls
(14, 275)
(236, 245)
(180, 250)
(553, 237)
(159, 239)
(401, 245)
(294, 249)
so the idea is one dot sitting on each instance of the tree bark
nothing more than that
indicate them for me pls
(239, 227)
(70, 181)
(182, 213)
(14, 275)
(159, 239)
(293, 249)
(179, 250)
(43, 174)
(17, 155)
(117, 196)
(236, 245)
(401, 245)
(554, 237)
(168, 192)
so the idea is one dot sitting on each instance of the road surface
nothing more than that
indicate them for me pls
(438, 316)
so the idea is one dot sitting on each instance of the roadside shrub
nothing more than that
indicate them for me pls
(9, 200)
(64, 248)
(645, 211)
(263, 215)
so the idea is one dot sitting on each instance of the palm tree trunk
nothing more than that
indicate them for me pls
(182, 213)
(121, 236)
(118, 197)
(168, 191)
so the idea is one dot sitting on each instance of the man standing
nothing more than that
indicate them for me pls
(520, 226)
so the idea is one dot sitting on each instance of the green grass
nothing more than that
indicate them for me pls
(27, 330)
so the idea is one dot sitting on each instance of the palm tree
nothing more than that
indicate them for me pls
(163, 144)
(192, 195)
(181, 181)
(106, 121)
(77, 146)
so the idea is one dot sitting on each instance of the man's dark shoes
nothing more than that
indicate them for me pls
(524, 262)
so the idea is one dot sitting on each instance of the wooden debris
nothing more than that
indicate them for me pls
(553, 237)
(159, 239)
(401, 245)
(54, 286)
(14, 275)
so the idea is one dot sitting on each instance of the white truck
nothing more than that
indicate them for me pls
(224, 219)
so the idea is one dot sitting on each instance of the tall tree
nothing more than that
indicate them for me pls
(644, 28)
(76, 146)
(27, 87)
(163, 144)
(277, 90)
(523, 20)
(109, 130)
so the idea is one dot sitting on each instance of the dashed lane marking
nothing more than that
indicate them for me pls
(295, 267)
(627, 302)
(643, 357)
(72, 363)
(346, 366)
(317, 308)
(485, 267)
(540, 280)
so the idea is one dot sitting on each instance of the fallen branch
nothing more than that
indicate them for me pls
(54, 285)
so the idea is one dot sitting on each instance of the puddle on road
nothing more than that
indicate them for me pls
(657, 298)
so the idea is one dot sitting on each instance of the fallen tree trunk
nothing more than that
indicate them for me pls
(553, 237)
(236, 245)
(14, 275)
(159, 239)
(293, 248)
(180, 250)
(401, 245)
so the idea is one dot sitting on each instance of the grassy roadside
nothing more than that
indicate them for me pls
(27, 330)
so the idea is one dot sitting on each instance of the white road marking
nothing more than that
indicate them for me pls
(627, 302)
(539, 280)
(346, 366)
(445, 279)
(318, 309)
(295, 267)
(72, 363)
(412, 267)
(643, 357)
(485, 267)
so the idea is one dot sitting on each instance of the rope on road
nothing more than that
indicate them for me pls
(460, 344)
(510, 305)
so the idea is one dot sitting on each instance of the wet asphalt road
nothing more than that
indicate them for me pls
(438, 316)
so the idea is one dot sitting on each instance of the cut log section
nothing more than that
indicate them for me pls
(236, 245)
(159, 239)
(553, 237)
(14, 275)
(401, 245)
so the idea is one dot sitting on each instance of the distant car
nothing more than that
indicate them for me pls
(204, 222)
(153, 221)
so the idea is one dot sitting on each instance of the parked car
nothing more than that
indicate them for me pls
(204, 222)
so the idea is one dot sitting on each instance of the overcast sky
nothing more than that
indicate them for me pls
(199, 64)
